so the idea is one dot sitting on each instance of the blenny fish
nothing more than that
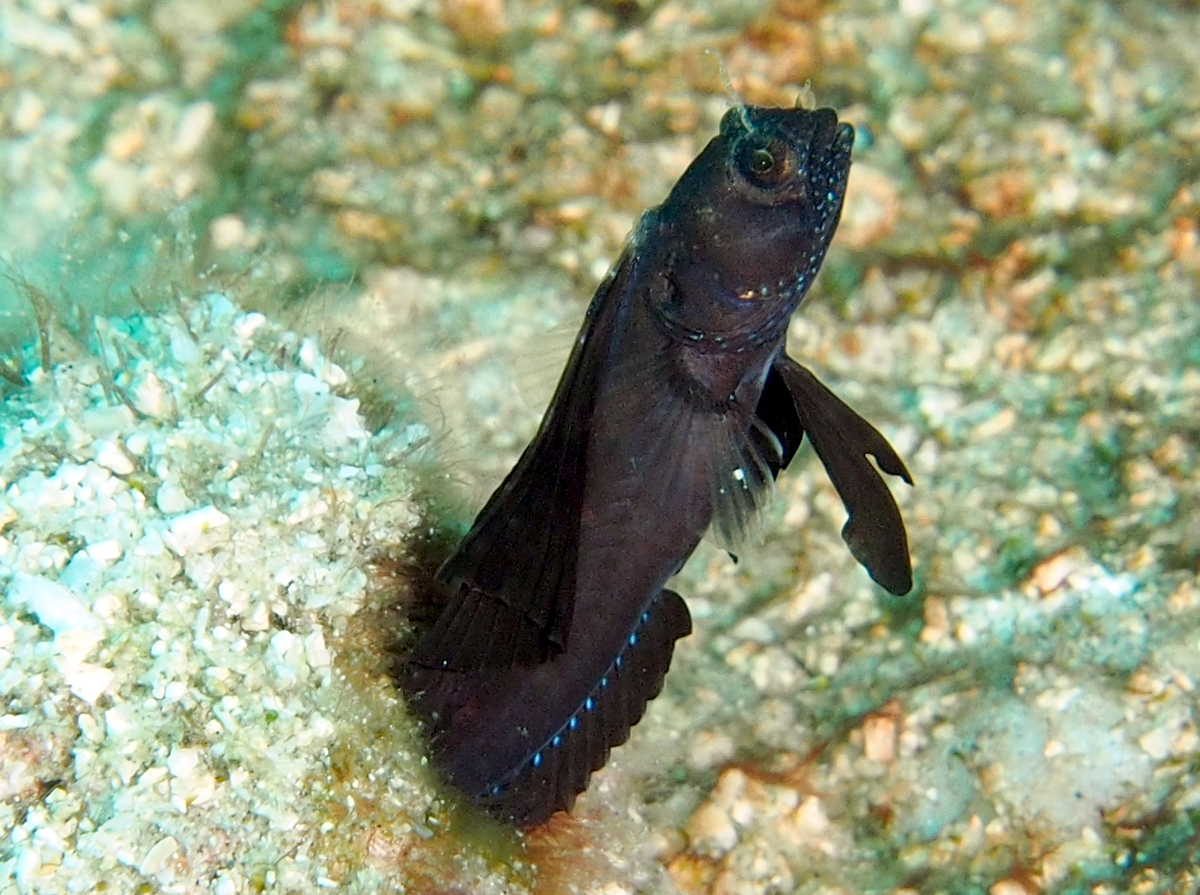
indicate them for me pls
(678, 407)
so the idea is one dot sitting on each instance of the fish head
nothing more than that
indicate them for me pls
(754, 215)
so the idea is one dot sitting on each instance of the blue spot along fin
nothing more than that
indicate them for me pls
(558, 770)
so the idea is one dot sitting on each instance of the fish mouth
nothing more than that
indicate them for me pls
(843, 138)
(830, 141)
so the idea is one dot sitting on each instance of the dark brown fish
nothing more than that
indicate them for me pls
(677, 409)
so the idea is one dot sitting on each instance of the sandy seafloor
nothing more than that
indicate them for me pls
(274, 272)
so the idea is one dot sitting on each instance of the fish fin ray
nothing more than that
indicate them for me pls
(477, 632)
(683, 439)
(743, 482)
(536, 371)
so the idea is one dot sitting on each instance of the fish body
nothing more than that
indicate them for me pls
(677, 408)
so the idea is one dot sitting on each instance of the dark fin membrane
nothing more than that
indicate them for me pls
(843, 439)
(777, 411)
(519, 556)
(553, 775)
(475, 632)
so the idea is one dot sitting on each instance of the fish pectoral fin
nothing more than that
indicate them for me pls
(842, 439)
(744, 463)
(476, 631)
(553, 775)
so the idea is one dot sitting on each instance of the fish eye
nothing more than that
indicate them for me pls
(766, 163)
(761, 162)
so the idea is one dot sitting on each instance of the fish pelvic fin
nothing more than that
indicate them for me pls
(842, 439)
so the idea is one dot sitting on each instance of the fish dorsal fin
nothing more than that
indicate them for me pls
(514, 573)
(537, 370)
